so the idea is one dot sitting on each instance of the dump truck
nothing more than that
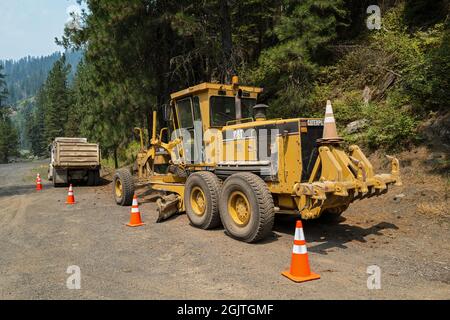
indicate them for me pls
(74, 160)
(219, 159)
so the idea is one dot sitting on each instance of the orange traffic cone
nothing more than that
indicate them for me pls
(135, 218)
(300, 271)
(70, 196)
(329, 131)
(38, 182)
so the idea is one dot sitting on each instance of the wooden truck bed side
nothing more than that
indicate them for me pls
(77, 155)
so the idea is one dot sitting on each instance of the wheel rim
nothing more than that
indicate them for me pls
(239, 208)
(118, 188)
(198, 201)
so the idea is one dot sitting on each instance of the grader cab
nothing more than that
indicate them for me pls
(223, 162)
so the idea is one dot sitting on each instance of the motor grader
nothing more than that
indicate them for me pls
(220, 160)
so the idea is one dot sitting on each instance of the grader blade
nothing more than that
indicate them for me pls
(344, 177)
(167, 206)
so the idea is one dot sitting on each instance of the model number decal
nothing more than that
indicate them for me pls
(315, 123)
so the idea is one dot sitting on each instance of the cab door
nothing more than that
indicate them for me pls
(189, 122)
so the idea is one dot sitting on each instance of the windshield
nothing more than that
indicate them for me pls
(223, 109)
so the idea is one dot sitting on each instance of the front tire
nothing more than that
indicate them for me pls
(123, 187)
(201, 198)
(247, 208)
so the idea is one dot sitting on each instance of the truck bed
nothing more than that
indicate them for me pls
(77, 155)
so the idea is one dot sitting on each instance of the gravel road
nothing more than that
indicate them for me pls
(40, 237)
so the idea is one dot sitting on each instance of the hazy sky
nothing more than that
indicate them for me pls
(29, 27)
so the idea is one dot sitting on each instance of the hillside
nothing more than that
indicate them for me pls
(24, 78)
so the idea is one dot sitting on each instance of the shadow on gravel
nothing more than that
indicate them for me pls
(75, 183)
(16, 190)
(330, 235)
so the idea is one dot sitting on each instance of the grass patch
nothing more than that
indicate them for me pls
(31, 177)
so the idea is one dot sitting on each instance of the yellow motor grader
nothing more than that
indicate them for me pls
(222, 161)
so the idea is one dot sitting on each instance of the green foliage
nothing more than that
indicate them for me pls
(389, 127)
(27, 75)
(420, 57)
(34, 127)
(349, 107)
(288, 70)
(57, 100)
(423, 13)
(9, 138)
(406, 73)
(8, 133)
(3, 88)
(53, 105)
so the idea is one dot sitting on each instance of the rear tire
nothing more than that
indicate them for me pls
(57, 184)
(201, 198)
(97, 177)
(123, 187)
(247, 208)
(90, 181)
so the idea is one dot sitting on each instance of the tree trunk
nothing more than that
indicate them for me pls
(227, 41)
(116, 161)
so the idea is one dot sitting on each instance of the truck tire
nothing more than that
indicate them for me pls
(56, 177)
(246, 209)
(123, 187)
(91, 177)
(201, 198)
(97, 177)
(49, 176)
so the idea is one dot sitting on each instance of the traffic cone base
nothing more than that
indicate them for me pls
(312, 276)
(135, 225)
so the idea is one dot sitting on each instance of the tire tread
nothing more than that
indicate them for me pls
(214, 189)
(265, 205)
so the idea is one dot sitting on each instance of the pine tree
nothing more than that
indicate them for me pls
(34, 126)
(57, 100)
(3, 88)
(8, 133)
(289, 68)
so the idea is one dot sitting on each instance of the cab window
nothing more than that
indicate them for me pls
(223, 109)
(185, 113)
